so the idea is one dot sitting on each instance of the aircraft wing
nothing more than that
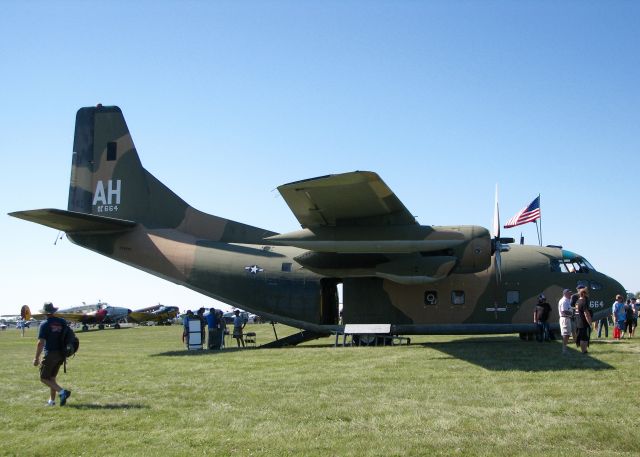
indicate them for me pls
(357, 198)
(353, 225)
(140, 316)
(72, 317)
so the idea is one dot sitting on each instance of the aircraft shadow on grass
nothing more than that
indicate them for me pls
(508, 354)
(198, 353)
(107, 406)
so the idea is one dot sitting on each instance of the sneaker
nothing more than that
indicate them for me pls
(51, 403)
(64, 394)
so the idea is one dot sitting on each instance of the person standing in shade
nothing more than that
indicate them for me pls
(574, 299)
(50, 340)
(636, 312)
(222, 327)
(203, 324)
(212, 325)
(604, 322)
(630, 310)
(565, 311)
(541, 317)
(185, 326)
(619, 316)
(583, 321)
(238, 327)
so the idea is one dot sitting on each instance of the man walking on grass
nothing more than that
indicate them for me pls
(50, 340)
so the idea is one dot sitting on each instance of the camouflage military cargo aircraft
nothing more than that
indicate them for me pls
(355, 232)
(160, 314)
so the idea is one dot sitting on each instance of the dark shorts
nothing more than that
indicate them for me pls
(237, 332)
(582, 334)
(51, 364)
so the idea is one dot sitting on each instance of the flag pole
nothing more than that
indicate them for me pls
(540, 208)
(538, 231)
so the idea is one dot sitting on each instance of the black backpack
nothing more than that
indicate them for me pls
(70, 344)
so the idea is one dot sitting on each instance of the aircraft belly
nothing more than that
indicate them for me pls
(165, 258)
(253, 279)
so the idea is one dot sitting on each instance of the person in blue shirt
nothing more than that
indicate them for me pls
(619, 314)
(50, 341)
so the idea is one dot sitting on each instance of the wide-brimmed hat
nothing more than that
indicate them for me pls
(48, 308)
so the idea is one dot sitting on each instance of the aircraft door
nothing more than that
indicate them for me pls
(329, 301)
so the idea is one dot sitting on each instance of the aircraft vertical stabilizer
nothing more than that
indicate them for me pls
(107, 178)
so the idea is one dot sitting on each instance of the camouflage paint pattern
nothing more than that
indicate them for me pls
(355, 231)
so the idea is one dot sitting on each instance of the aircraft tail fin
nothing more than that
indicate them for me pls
(108, 180)
(107, 177)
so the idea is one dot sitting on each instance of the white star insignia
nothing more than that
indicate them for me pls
(254, 269)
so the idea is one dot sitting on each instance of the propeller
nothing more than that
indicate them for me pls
(498, 244)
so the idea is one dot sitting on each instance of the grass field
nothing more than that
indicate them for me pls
(137, 392)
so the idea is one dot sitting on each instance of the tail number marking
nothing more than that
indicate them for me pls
(107, 201)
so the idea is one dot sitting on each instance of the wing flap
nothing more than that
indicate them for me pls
(70, 221)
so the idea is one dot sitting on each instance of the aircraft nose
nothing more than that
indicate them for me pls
(614, 288)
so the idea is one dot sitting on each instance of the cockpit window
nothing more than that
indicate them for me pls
(573, 265)
(589, 266)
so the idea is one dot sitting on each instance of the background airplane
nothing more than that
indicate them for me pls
(161, 314)
(102, 314)
(354, 231)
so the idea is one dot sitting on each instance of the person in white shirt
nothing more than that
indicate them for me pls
(565, 311)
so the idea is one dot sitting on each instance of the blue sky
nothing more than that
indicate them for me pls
(227, 100)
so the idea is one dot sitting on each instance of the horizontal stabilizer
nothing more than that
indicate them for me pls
(70, 221)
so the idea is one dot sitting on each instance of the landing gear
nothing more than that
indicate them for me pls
(117, 325)
(100, 326)
(372, 340)
(85, 327)
(363, 340)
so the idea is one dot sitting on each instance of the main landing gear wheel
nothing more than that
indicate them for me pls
(85, 327)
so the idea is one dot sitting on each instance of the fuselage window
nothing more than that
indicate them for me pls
(431, 297)
(595, 285)
(457, 297)
(286, 266)
(513, 297)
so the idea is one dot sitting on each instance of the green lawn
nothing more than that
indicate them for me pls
(137, 392)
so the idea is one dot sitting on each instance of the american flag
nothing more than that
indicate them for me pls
(526, 215)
